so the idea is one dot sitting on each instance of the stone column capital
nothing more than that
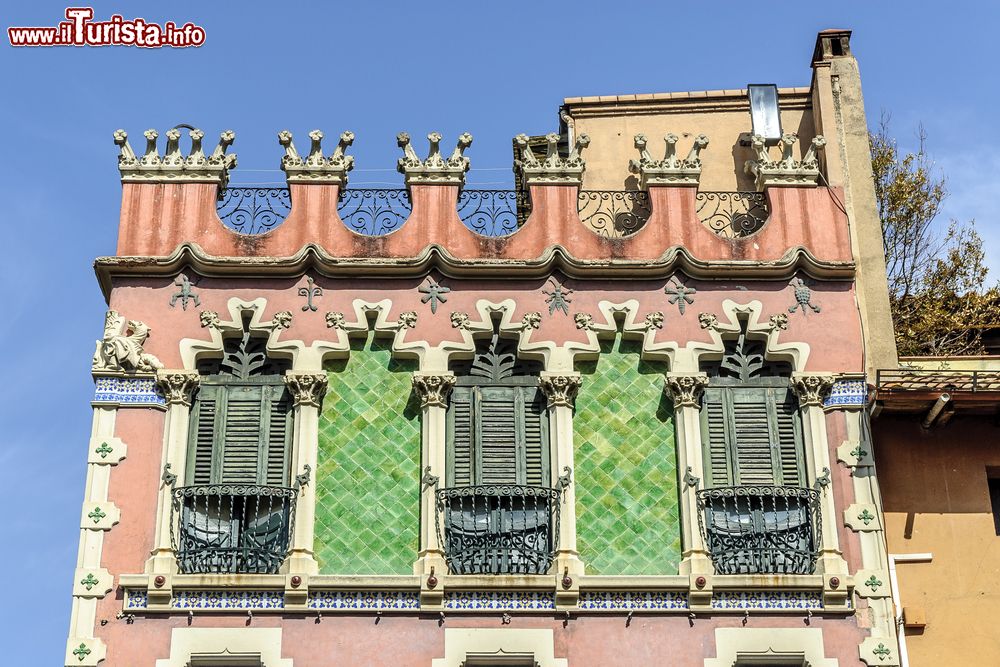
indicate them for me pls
(685, 388)
(812, 388)
(560, 388)
(433, 388)
(306, 387)
(177, 385)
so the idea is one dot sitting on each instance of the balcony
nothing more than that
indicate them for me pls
(761, 529)
(503, 529)
(232, 528)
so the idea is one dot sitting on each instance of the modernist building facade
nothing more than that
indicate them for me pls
(611, 418)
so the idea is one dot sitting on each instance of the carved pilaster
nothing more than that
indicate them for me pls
(811, 389)
(177, 385)
(306, 388)
(685, 388)
(560, 390)
(433, 389)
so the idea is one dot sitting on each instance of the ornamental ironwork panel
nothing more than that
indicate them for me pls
(502, 529)
(374, 211)
(732, 215)
(253, 210)
(761, 529)
(614, 213)
(493, 212)
(232, 528)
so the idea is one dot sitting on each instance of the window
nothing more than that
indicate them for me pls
(235, 512)
(757, 511)
(498, 503)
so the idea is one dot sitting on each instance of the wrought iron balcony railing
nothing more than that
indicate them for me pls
(732, 215)
(761, 529)
(253, 210)
(502, 529)
(374, 211)
(614, 213)
(232, 528)
(494, 212)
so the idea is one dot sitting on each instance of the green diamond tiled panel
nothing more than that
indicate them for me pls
(367, 482)
(626, 469)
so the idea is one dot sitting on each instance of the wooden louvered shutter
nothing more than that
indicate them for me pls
(535, 437)
(788, 437)
(279, 436)
(754, 463)
(499, 459)
(715, 437)
(460, 429)
(242, 431)
(201, 448)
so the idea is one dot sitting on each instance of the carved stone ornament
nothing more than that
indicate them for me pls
(282, 320)
(811, 389)
(120, 350)
(685, 389)
(315, 168)
(307, 388)
(654, 320)
(407, 320)
(708, 321)
(531, 320)
(460, 320)
(787, 170)
(433, 389)
(173, 166)
(436, 169)
(177, 386)
(671, 170)
(210, 319)
(584, 321)
(561, 390)
(553, 168)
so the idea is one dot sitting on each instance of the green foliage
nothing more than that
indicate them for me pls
(936, 281)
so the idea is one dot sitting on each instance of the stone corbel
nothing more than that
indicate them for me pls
(552, 169)
(178, 386)
(173, 166)
(786, 171)
(671, 170)
(120, 351)
(685, 388)
(307, 388)
(811, 389)
(435, 170)
(315, 168)
(559, 389)
(433, 390)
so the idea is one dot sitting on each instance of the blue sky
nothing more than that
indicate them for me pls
(494, 69)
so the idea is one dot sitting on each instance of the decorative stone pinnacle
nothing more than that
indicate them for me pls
(433, 390)
(561, 390)
(671, 170)
(307, 388)
(685, 388)
(787, 170)
(552, 169)
(177, 386)
(315, 168)
(174, 166)
(811, 389)
(435, 170)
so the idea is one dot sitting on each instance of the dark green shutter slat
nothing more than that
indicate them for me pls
(714, 432)
(460, 437)
(536, 451)
(497, 452)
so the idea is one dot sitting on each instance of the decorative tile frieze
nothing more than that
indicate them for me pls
(99, 515)
(685, 388)
(847, 394)
(127, 391)
(196, 167)
(855, 454)
(120, 350)
(306, 388)
(177, 386)
(433, 389)
(862, 517)
(106, 451)
(879, 651)
(228, 599)
(767, 600)
(811, 389)
(315, 168)
(436, 169)
(363, 600)
(499, 600)
(786, 171)
(671, 170)
(553, 169)
(135, 599)
(633, 600)
(85, 651)
(92, 583)
(872, 583)
(560, 389)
